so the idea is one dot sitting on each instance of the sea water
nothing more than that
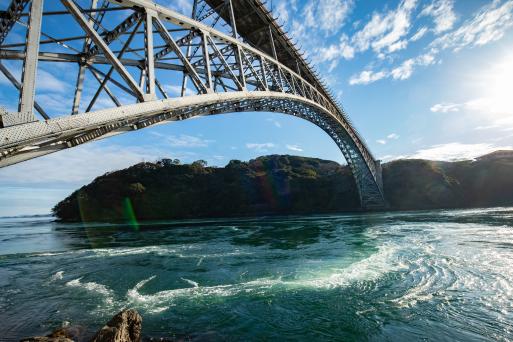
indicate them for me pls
(427, 275)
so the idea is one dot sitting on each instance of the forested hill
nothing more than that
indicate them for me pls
(282, 184)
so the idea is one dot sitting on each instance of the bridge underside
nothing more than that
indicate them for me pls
(229, 56)
(38, 138)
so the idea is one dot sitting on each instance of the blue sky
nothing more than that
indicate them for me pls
(419, 78)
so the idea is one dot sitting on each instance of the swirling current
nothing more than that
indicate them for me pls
(430, 275)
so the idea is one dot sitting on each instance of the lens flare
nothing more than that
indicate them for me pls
(128, 212)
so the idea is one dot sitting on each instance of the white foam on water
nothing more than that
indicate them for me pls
(193, 283)
(369, 269)
(48, 254)
(200, 261)
(143, 282)
(113, 252)
(93, 287)
(57, 276)
(385, 260)
(187, 251)
(162, 300)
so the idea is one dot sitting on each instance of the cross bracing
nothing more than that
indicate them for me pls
(138, 64)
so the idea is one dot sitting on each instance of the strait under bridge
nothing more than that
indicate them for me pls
(137, 63)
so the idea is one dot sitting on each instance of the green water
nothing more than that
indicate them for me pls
(432, 275)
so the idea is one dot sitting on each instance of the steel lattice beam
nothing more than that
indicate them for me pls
(229, 75)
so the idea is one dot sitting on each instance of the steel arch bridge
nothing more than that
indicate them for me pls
(137, 63)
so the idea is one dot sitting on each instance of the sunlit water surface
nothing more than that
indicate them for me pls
(436, 275)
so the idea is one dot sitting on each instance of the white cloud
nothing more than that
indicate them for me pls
(183, 140)
(426, 59)
(331, 14)
(55, 103)
(260, 147)
(81, 164)
(44, 79)
(385, 31)
(275, 122)
(47, 81)
(294, 148)
(399, 45)
(403, 71)
(281, 11)
(366, 77)
(442, 13)
(335, 51)
(483, 128)
(482, 105)
(420, 33)
(182, 6)
(176, 90)
(322, 16)
(456, 151)
(77, 165)
(488, 25)
(391, 136)
(445, 107)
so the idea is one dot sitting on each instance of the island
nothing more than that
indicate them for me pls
(283, 185)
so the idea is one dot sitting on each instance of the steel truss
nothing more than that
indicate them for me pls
(225, 72)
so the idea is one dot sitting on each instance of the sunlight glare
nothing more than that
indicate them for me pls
(499, 88)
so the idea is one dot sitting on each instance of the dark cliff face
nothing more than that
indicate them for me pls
(283, 185)
(424, 184)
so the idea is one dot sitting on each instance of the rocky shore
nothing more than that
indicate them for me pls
(123, 327)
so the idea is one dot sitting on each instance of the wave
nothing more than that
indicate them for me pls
(165, 250)
(369, 269)
(385, 260)
(193, 283)
(93, 287)
(57, 276)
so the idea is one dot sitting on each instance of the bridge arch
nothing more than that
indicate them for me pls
(229, 73)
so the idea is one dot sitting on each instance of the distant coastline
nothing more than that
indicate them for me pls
(26, 216)
(283, 185)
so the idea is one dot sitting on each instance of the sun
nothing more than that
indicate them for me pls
(498, 87)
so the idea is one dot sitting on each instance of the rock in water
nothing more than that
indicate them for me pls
(124, 327)
(65, 334)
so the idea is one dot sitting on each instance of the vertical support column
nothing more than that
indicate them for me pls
(188, 53)
(233, 24)
(280, 78)
(273, 47)
(238, 57)
(142, 77)
(206, 60)
(275, 55)
(78, 88)
(149, 61)
(292, 84)
(81, 70)
(264, 76)
(28, 76)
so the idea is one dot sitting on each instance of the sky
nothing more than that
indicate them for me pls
(426, 79)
